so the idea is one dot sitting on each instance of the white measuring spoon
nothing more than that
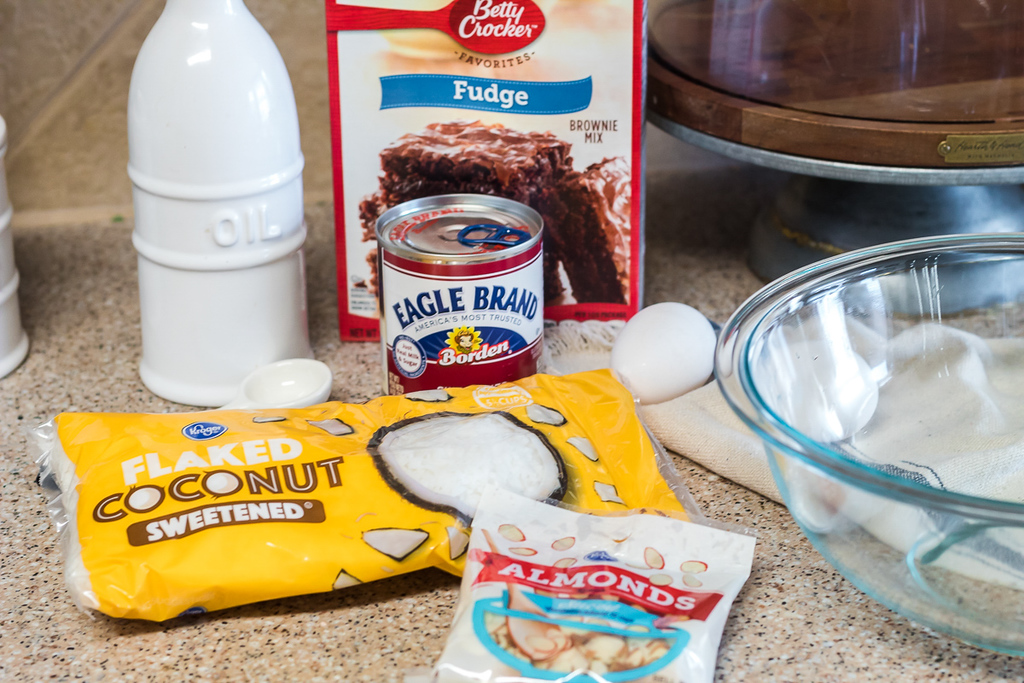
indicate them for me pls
(292, 383)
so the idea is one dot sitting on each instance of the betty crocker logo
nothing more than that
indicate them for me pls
(495, 26)
(490, 27)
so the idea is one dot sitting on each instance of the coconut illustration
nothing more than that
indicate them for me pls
(429, 396)
(333, 426)
(445, 461)
(607, 493)
(544, 415)
(397, 544)
(458, 541)
(584, 446)
(344, 580)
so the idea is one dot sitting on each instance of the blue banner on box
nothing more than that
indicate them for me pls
(485, 94)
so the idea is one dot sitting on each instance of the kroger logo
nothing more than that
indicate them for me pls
(203, 431)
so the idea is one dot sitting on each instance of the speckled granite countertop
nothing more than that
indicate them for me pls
(796, 619)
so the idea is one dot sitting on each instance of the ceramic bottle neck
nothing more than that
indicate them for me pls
(207, 7)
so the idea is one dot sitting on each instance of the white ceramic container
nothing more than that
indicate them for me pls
(216, 169)
(13, 340)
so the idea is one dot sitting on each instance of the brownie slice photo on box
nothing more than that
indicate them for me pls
(590, 215)
(586, 214)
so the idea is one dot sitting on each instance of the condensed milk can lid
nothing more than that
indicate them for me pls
(459, 228)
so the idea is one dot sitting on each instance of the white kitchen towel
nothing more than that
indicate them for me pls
(702, 426)
(573, 346)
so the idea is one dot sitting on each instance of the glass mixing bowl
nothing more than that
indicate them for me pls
(887, 385)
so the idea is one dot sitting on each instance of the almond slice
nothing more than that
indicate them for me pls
(661, 579)
(693, 567)
(568, 661)
(565, 562)
(540, 644)
(653, 558)
(527, 552)
(692, 581)
(512, 533)
(530, 636)
(563, 543)
(604, 648)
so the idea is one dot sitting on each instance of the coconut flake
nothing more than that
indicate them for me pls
(333, 426)
(583, 446)
(607, 493)
(397, 544)
(429, 396)
(545, 415)
(263, 419)
(345, 580)
(458, 541)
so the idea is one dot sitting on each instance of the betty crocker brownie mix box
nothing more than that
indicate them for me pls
(540, 101)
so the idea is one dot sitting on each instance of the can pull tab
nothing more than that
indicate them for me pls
(492, 233)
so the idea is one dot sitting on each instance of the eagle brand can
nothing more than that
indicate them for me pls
(461, 286)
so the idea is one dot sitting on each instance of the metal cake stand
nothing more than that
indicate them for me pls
(830, 206)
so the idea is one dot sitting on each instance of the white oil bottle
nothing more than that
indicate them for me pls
(216, 170)
(13, 340)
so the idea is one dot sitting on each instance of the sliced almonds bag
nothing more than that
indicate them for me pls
(550, 594)
(162, 515)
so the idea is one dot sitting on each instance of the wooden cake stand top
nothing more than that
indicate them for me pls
(857, 81)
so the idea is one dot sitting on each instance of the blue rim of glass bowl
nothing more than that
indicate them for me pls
(733, 371)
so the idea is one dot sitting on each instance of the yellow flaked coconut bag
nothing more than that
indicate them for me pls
(162, 515)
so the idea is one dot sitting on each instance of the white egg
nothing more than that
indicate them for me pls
(664, 351)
